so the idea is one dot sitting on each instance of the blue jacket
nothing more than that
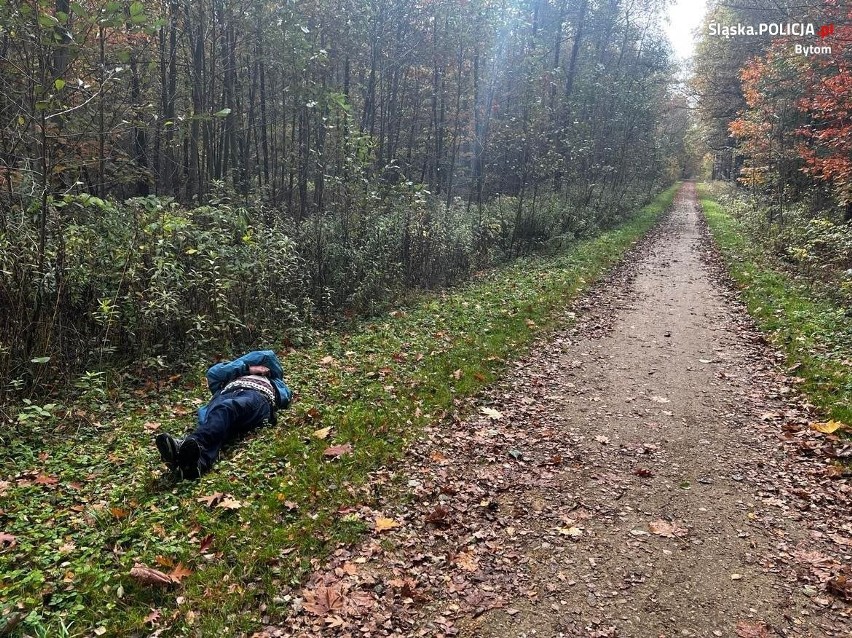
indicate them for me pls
(222, 374)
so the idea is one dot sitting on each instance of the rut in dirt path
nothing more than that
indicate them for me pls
(632, 483)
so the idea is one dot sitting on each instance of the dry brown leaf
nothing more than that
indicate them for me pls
(467, 561)
(439, 516)
(747, 629)
(327, 360)
(338, 450)
(119, 513)
(323, 600)
(840, 586)
(152, 617)
(179, 573)
(145, 575)
(667, 529)
(211, 500)
(44, 479)
(8, 540)
(362, 599)
(384, 524)
(322, 433)
(230, 503)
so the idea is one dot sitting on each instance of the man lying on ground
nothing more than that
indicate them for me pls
(247, 393)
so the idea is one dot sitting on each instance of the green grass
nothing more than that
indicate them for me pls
(814, 332)
(77, 539)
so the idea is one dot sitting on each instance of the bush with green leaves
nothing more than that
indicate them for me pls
(809, 243)
(144, 279)
(150, 281)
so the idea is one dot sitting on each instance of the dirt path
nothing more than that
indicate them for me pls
(646, 472)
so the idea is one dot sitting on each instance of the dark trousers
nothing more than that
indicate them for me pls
(230, 415)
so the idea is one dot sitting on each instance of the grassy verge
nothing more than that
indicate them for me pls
(815, 333)
(86, 503)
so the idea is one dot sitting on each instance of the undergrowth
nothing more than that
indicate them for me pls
(812, 328)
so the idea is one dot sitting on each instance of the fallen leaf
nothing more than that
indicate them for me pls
(829, 427)
(337, 450)
(8, 540)
(384, 524)
(327, 360)
(322, 433)
(572, 532)
(438, 516)
(666, 529)
(179, 573)
(152, 617)
(211, 500)
(840, 586)
(746, 629)
(151, 426)
(457, 374)
(44, 479)
(603, 440)
(323, 600)
(491, 413)
(119, 513)
(437, 457)
(145, 575)
(467, 561)
(229, 503)
(659, 399)
(100, 631)
(206, 543)
(644, 473)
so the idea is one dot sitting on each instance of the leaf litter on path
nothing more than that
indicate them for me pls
(480, 531)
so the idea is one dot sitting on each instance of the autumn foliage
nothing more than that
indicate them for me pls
(798, 120)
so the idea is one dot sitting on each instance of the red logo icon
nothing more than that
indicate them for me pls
(826, 30)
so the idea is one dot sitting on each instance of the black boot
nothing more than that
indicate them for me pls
(169, 449)
(189, 458)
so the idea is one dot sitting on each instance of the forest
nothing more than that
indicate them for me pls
(189, 177)
(555, 321)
